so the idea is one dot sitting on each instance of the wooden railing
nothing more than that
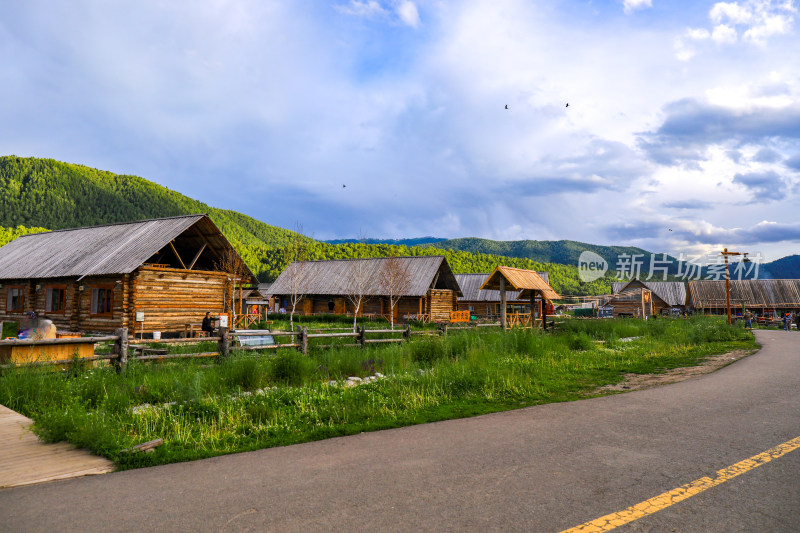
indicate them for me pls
(124, 349)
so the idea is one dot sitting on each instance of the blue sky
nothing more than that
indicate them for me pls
(682, 134)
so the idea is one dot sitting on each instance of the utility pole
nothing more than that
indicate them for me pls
(725, 254)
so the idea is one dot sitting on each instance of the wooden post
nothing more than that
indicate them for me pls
(304, 335)
(2, 325)
(223, 344)
(533, 308)
(502, 302)
(407, 333)
(544, 313)
(362, 335)
(121, 349)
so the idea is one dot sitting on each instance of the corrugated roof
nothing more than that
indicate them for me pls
(335, 276)
(98, 250)
(519, 279)
(672, 292)
(471, 288)
(765, 293)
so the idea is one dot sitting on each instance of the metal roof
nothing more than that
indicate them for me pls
(519, 279)
(471, 288)
(99, 250)
(765, 293)
(335, 276)
(672, 292)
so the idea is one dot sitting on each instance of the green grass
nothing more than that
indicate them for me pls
(249, 401)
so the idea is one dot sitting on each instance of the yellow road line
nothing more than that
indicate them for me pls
(662, 501)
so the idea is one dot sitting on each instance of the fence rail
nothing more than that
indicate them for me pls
(299, 339)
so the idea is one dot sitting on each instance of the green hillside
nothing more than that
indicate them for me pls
(784, 268)
(563, 252)
(49, 194)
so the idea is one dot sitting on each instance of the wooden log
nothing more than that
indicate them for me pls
(322, 335)
(224, 342)
(63, 361)
(370, 341)
(82, 340)
(121, 350)
(147, 447)
(175, 356)
(304, 341)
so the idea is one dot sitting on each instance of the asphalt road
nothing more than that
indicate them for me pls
(544, 468)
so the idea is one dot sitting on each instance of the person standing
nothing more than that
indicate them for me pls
(786, 322)
(748, 319)
(797, 320)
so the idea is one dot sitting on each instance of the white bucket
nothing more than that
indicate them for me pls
(156, 335)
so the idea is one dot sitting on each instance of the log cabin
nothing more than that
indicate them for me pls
(425, 285)
(758, 295)
(95, 279)
(630, 297)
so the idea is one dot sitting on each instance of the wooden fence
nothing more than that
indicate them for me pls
(124, 349)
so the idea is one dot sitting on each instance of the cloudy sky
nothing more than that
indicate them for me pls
(682, 132)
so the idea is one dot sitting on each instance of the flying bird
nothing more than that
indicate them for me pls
(670, 229)
(343, 185)
(567, 104)
(506, 106)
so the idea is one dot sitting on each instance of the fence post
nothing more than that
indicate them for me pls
(304, 339)
(362, 334)
(2, 325)
(407, 333)
(121, 349)
(223, 344)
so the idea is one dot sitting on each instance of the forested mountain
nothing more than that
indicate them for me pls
(784, 268)
(50, 194)
(563, 252)
(418, 241)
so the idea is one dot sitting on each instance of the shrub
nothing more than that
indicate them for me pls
(428, 351)
(580, 341)
(292, 367)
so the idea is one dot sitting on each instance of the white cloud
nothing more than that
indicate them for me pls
(368, 8)
(407, 11)
(724, 34)
(631, 5)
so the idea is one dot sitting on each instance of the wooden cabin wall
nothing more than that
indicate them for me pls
(440, 303)
(172, 298)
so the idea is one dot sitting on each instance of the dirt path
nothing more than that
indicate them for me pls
(643, 381)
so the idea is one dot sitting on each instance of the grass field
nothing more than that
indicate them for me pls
(250, 401)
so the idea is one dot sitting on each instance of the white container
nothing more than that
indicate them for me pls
(156, 335)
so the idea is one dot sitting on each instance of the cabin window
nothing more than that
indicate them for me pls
(102, 300)
(55, 299)
(15, 299)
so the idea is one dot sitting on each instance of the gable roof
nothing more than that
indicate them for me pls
(471, 288)
(333, 276)
(673, 293)
(100, 250)
(754, 292)
(519, 279)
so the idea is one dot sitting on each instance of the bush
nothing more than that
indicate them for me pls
(429, 351)
(292, 367)
(580, 341)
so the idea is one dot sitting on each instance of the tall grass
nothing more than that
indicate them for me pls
(247, 401)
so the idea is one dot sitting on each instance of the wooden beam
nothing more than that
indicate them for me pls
(197, 256)
(177, 255)
(503, 302)
(205, 240)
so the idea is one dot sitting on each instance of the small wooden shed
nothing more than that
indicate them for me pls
(96, 279)
(529, 285)
(429, 292)
(486, 303)
(646, 298)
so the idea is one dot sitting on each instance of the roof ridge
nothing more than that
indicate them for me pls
(114, 224)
